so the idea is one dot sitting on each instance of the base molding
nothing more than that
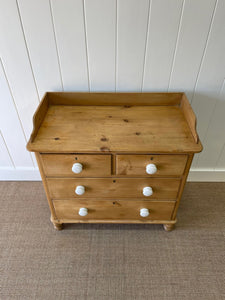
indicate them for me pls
(217, 175)
(32, 174)
(19, 174)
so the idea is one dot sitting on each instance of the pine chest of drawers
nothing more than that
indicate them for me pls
(114, 157)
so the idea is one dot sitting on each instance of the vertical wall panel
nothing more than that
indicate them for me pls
(221, 159)
(68, 16)
(39, 33)
(101, 39)
(132, 23)
(111, 45)
(5, 160)
(161, 40)
(11, 127)
(215, 136)
(14, 55)
(194, 29)
(211, 75)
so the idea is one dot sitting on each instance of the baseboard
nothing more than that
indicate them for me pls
(32, 174)
(19, 174)
(217, 175)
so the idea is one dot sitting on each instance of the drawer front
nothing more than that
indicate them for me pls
(166, 165)
(163, 188)
(91, 165)
(112, 209)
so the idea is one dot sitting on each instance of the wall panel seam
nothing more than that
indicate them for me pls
(176, 45)
(10, 90)
(86, 43)
(146, 42)
(219, 156)
(116, 43)
(28, 54)
(56, 46)
(213, 110)
(204, 51)
(210, 121)
(11, 159)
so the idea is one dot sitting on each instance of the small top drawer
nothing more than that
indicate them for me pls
(150, 165)
(76, 165)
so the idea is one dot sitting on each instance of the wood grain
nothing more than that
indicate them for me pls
(60, 165)
(53, 216)
(190, 117)
(167, 165)
(163, 188)
(66, 132)
(193, 54)
(182, 185)
(112, 210)
(146, 129)
(39, 115)
(74, 98)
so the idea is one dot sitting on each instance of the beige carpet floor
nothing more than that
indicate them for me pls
(111, 262)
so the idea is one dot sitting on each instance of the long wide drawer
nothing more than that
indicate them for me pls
(61, 165)
(150, 165)
(163, 188)
(113, 209)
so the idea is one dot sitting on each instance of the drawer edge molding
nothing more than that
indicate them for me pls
(93, 165)
(165, 164)
(113, 210)
(114, 187)
(116, 221)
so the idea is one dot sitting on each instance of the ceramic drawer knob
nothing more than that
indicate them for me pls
(80, 190)
(83, 211)
(147, 191)
(144, 212)
(151, 169)
(77, 168)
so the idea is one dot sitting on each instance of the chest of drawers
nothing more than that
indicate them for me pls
(114, 157)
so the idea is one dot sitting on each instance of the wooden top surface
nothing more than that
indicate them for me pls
(144, 129)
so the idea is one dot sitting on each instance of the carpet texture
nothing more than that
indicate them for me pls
(111, 262)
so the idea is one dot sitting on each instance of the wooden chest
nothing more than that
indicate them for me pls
(114, 157)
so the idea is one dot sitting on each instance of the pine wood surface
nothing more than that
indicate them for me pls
(155, 129)
(84, 98)
(167, 165)
(40, 166)
(113, 209)
(190, 117)
(182, 185)
(163, 188)
(114, 136)
(61, 165)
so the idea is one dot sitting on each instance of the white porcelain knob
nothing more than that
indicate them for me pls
(151, 169)
(144, 212)
(77, 168)
(83, 211)
(80, 190)
(147, 191)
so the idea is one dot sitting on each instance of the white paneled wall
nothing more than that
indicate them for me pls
(111, 45)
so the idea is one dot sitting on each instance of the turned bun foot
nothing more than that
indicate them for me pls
(58, 226)
(168, 227)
